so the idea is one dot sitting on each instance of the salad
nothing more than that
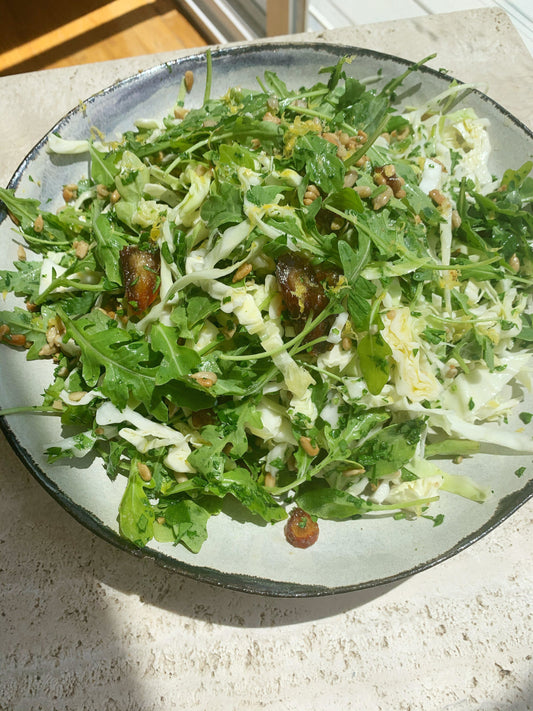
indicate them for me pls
(303, 300)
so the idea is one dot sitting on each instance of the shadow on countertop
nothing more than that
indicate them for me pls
(39, 533)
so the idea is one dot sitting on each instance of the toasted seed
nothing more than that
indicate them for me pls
(452, 371)
(437, 196)
(270, 117)
(4, 330)
(77, 396)
(18, 339)
(456, 220)
(308, 447)
(180, 112)
(48, 350)
(21, 253)
(242, 272)
(382, 199)
(144, 471)
(69, 192)
(350, 178)
(514, 263)
(114, 197)
(189, 80)
(101, 191)
(270, 480)
(311, 194)
(364, 191)
(13, 219)
(353, 472)
(204, 378)
(332, 138)
(38, 225)
(80, 248)
(346, 343)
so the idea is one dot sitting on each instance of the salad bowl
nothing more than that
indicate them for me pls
(242, 552)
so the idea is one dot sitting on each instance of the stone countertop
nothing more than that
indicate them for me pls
(86, 626)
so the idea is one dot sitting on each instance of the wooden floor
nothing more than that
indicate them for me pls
(35, 34)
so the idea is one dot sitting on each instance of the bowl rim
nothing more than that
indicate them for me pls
(236, 581)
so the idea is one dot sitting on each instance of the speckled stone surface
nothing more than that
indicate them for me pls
(85, 626)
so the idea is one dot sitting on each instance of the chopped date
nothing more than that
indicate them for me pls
(303, 293)
(141, 274)
(301, 290)
(300, 530)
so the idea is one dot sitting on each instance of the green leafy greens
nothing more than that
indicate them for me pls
(245, 381)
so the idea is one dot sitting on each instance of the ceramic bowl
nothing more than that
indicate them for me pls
(240, 554)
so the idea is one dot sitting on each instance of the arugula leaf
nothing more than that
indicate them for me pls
(391, 448)
(422, 205)
(264, 194)
(353, 92)
(341, 442)
(22, 322)
(121, 356)
(233, 154)
(239, 483)
(277, 85)
(136, 515)
(474, 346)
(103, 167)
(26, 211)
(336, 505)
(319, 158)
(178, 361)
(514, 179)
(345, 200)
(212, 464)
(223, 207)
(373, 352)
(332, 504)
(109, 242)
(24, 281)
(354, 262)
(362, 290)
(244, 128)
(199, 307)
(189, 523)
